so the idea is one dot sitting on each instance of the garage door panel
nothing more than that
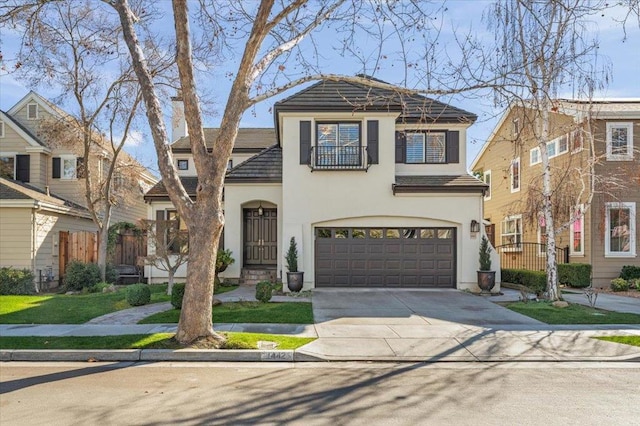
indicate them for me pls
(386, 257)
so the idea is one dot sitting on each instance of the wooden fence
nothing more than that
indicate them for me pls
(82, 246)
(128, 248)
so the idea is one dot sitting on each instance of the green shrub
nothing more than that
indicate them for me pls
(138, 294)
(629, 271)
(619, 284)
(79, 275)
(264, 289)
(635, 284)
(16, 281)
(574, 274)
(536, 281)
(110, 274)
(98, 288)
(177, 294)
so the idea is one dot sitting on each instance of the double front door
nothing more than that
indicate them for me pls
(261, 236)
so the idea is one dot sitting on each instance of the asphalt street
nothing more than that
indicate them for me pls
(320, 393)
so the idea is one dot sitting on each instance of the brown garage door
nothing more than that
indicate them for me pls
(385, 257)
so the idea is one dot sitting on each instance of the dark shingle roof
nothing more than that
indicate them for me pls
(438, 183)
(348, 96)
(24, 129)
(248, 140)
(14, 190)
(158, 191)
(263, 167)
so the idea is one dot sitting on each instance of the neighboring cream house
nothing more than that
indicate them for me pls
(372, 184)
(42, 191)
(604, 235)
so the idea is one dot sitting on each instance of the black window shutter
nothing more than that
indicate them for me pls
(400, 147)
(55, 171)
(80, 171)
(305, 142)
(453, 147)
(22, 168)
(372, 140)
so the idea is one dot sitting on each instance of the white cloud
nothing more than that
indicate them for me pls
(135, 138)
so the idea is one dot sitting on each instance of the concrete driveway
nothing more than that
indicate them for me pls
(410, 307)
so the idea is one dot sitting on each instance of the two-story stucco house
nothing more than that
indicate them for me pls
(42, 190)
(604, 235)
(371, 183)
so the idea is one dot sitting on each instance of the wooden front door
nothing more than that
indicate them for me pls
(261, 237)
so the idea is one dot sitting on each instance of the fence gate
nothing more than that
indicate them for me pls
(81, 245)
(128, 248)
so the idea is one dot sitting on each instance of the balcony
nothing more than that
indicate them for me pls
(334, 157)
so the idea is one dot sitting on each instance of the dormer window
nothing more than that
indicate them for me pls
(32, 111)
(183, 164)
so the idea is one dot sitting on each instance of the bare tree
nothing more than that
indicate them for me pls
(170, 247)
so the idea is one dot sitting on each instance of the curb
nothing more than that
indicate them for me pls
(153, 355)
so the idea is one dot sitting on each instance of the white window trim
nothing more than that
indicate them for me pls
(620, 157)
(484, 178)
(508, 218)
(11, 154)
(632, 229)
(1, 129)
(531, 162)
(572, 252)
(517, 160)
(515, 127)
(37, 111)
(75, 167)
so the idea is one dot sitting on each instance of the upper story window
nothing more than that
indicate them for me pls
(535, 156)
(515, 124)
(1, 129)
(183, 164)
(487, 180)
(32, 111)
(338, 144)
(619, 141)
(515, 175)
(230, 164)
(620, 232)
(69, 167)
(66, 167)
(426, 148)
(7, 166)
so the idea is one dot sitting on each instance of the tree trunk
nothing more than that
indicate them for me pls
(195, 316)
(103, 242)
(170, 285)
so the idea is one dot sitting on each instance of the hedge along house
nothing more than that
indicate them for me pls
(372, 184)
(43, 214)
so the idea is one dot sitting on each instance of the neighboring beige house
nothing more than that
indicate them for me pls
(372, 185)
(604, 235)
(42, 191)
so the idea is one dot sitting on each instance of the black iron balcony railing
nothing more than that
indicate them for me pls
(333, 157)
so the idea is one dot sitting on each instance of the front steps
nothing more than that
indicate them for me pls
(254, 275)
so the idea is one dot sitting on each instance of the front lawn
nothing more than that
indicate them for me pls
(573, 314)
(144, 341)
(627, 340)
(68, 309)
(247, 312)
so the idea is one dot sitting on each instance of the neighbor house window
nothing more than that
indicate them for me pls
(576, 230)
(32, 111)
(516, 126)
(515, 175)
(619, 141)
(338, 144)
(230, 164)
(69, 167)
(487, 180)
(7, 166)
(511, 232)
(542, 235)
(183, 164)
(1, 129)
(563, 144)
(535, 156)
(426, 148)
(620, 232)
(177, 239)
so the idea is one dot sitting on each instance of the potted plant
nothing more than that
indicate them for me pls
(295, 279)
(486, 277)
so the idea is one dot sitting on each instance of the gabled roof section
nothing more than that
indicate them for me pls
(328, 95)
(159, 192)
(14, 190)
(265, 167)
(26, 134)
(249, 140)
(438, 183)
(44, 103)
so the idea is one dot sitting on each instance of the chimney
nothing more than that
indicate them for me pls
(178, 123)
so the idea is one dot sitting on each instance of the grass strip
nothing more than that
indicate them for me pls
(247, 312)
(626, 340)
(145, 341)
(573, 314)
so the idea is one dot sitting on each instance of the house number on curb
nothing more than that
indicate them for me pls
(276, 356)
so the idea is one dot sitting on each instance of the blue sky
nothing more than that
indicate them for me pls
(462, 15)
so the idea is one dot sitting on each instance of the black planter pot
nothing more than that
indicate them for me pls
(486, 280)
(295, 280)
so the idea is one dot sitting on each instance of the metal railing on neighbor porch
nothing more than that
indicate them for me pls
(531, 256)
(333, 157)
